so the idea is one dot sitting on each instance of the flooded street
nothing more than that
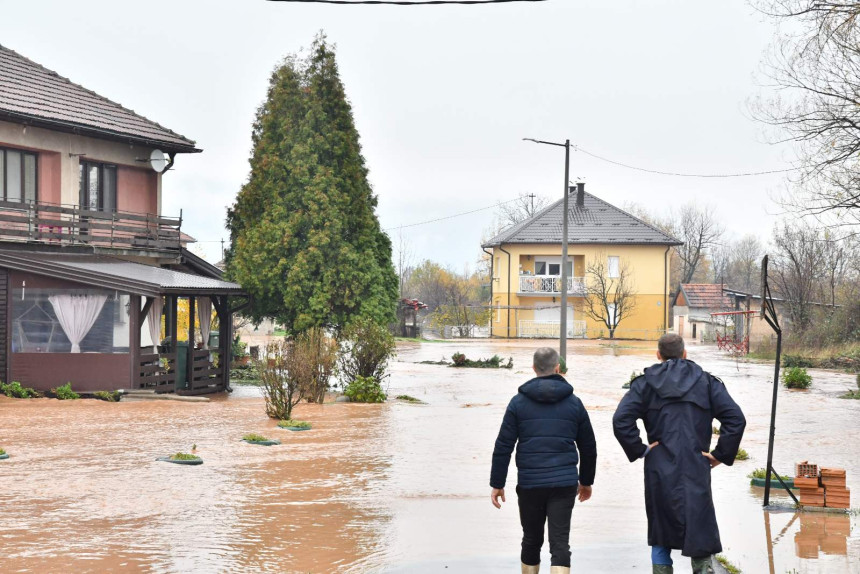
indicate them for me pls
(394, 488)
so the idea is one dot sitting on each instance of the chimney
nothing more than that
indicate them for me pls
(580, 195)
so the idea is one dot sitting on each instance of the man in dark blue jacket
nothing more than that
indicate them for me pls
(548, 420)
(678, 401)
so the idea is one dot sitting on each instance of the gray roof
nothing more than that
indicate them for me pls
(112, 273)
(597, 222)
(32, 94)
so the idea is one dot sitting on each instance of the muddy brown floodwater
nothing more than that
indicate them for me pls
(388, 488)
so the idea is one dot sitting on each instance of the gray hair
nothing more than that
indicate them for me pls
(671, 346)
(545, 360)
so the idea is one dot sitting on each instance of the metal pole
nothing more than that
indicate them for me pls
(562, 347)
(772, 419)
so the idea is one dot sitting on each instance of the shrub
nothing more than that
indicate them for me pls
(742, 455)
(294, 424)
(789, 361)
(629, 382)
(282, 382)
(238, 347)
(16, 391)
(366, 348)
(313, 359)
(245, 374)
(494, 362)
(254, 437)
(2, 452)
(562, 365)
(109, 396)
(459, 359)
(65, 393)
(408, 399)
(365, 390)
(796, 378)
(761, 474)
(184, 456)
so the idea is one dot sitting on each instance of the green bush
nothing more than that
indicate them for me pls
(742, 455)
(366, 348)
(254, 437)
(459, 359)
(494, 362)
(65, 393)
(796, 378)
(365, 390)
(761, 474)
(2, 452)
(562, 365)
(109, 396)
(629, 382)
(408, 399)
(295, 424)
(789, 361)
(16, 391)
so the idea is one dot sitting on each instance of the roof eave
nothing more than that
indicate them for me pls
(82, 129)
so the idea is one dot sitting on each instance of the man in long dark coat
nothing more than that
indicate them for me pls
(678, 401)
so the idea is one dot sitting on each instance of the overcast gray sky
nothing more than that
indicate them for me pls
(442, 98)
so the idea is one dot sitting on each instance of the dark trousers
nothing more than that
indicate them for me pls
(546, 505)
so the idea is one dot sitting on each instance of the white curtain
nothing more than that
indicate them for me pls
(77, 314)
(153, 317)
(204, 308)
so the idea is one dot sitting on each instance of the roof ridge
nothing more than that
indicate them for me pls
(95, 94)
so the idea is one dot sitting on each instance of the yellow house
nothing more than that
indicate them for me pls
(618, 273)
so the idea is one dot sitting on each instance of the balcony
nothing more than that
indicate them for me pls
(550, 329)
(550, 285)
(55, 224)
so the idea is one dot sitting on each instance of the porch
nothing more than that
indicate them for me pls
(57, 224)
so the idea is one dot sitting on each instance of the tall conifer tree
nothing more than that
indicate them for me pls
(305, 239)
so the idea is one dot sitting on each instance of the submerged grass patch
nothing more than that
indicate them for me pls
(2, 452)
(761, 474)
(254, 437)
(294, 423)
(742, 455)
(730, 568)
(408, 399)
(183, 456)
(109, 396)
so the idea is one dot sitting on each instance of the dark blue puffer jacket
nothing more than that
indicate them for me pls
(550, 423)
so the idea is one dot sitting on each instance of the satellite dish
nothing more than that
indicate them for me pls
(157, 160)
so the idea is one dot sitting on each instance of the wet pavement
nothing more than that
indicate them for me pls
(390, 488)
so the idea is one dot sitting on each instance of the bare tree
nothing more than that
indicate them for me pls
(721, 259)
(799, 266)
(744, 271)
(522, 208)
(403, 259)
(814, 67)
(698, 230)
(608, 299)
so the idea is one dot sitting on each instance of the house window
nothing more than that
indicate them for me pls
(98, 186)
(540, 267)
(614, 267)
(611, 313)
(17, 175)
(498, 312)
(552, 269)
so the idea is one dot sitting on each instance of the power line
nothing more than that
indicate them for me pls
(404, 2)
(450, 216)
(681, 174)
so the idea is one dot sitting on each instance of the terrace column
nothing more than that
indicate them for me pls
(134, 322)
(189, 365)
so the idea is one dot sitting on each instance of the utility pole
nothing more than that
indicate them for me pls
(562, 335)
(532, 197)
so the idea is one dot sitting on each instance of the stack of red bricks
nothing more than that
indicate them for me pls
(836, 493)
(806, 481)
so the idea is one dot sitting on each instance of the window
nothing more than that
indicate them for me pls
(17, 175)
(540, 267)
(611, 314)
(98, 186)
(498, 312)
(552, 269)
(614, 267)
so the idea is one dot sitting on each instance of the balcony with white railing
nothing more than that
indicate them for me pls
(550, 329)
(550, 285)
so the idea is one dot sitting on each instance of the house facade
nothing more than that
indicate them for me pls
(91, 270)
(704, 310)
(604, 244)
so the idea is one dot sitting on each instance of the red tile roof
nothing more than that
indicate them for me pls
(35, 95)
(706, 295)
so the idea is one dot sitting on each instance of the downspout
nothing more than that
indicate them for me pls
(484, 249)
(666, 288)
(508, 332)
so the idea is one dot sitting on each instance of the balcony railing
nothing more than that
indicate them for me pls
(550, 329)
(551, 284)
(51, 223)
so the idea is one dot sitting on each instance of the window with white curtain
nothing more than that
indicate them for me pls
(614, 267)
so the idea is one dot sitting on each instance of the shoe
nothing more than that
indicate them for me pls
(530, 569)
(560, 570)
(661, 569)
(702, 565)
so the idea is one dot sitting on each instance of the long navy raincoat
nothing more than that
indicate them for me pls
(678, 401)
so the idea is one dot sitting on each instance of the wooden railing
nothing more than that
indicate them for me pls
(157, 371)
(203, 372)
(51, 223)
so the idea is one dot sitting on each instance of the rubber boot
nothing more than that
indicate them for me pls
(702, 565)
(559, 570)
(662, 569)
(530, 569)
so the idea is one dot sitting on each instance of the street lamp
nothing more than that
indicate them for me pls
(562, 336)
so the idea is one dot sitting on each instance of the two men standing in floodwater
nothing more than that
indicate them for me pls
(676, 400)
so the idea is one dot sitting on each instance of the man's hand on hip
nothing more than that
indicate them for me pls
(584, 493)
(713, 461)
(495, 495)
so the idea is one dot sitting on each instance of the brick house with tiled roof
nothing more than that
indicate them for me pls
(526, 269)
(89, 264)
(693, 306)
